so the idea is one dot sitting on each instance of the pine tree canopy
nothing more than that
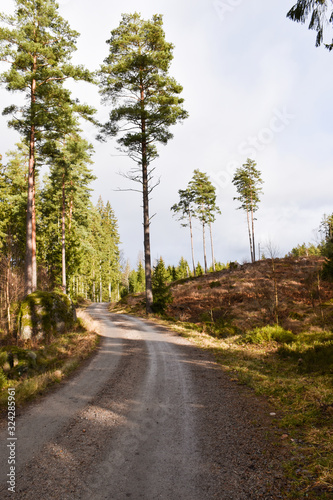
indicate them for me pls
(38, 44)
(13, 201)
(184, 209)
(146, 102)
(134, 79)
(319, 13)
(204, 197)
(247, 180)
(66, 188)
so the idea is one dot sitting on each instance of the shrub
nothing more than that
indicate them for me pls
(214, 284)
(223, 330)
(233, 265)
(199, 270)
(219, 266)
(161, 291)
(221, 327)
(267, 334)
(305, 250)
(3, 379)
(296, 315)
(3, 358)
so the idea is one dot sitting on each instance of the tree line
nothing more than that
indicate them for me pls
(323, 248)
(63, 207)
(133, 280)
(37, 44)
(198, 200)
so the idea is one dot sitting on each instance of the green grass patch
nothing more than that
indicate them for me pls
(267, 334)
(313, 352)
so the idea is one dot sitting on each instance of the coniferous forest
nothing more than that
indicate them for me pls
(51, 235)
(266, 321)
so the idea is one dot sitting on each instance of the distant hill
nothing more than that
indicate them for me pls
(289, 291)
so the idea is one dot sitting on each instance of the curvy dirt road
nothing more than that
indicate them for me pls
(150, 417)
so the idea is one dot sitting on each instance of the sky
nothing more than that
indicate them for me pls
(255, 86)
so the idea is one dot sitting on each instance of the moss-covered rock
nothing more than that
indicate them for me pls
(45, 314)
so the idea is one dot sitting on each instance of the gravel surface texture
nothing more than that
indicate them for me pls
(150, 417)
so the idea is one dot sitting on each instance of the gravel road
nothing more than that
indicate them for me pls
(150, 417)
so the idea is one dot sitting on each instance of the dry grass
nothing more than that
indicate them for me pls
(246, 296)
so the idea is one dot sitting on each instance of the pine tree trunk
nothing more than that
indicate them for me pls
(9, 323)
(276, 296)
(29, 250)
(100, 283)
(63, 235)
(253, 242)
(34, 248)
(70, 211)
(249, 228)
(204, 246)
(252, 220)
(192, 248)
(146, 222)
(211, 242)
(30, 268)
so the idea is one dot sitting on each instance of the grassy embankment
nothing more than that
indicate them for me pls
(270, 326)
(37, 366)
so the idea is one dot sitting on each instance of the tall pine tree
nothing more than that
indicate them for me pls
(37, 43)
(185, 211)
(13, 201)
(146, 103)
(247, 181)
(66, 198)
(12, 229)
(109, 250)
(204, 197)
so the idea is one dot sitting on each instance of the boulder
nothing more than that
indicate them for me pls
(45, 314)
